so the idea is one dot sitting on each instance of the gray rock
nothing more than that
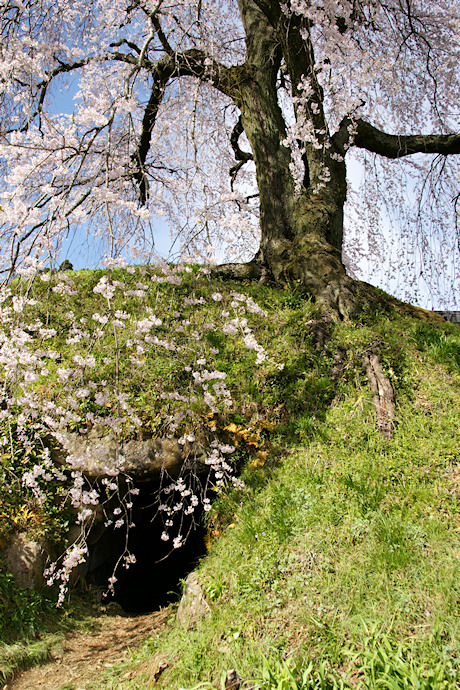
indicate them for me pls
(98, 453)
(25, 559)
(193, 607)
(233, 681)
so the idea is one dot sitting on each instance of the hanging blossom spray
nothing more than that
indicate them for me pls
(64, 373)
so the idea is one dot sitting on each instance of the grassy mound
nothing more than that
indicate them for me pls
(337, 563)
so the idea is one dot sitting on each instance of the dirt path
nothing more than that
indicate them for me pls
(85, 653)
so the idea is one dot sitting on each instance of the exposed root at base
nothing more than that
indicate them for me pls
(384, 398)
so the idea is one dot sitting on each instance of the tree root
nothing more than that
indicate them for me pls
(253, 270)
(341, 298)
(384, 398)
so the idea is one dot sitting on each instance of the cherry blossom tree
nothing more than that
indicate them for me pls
(233, 120)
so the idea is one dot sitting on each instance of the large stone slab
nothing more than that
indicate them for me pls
(25, 559)
(99, 453)
(193, 606)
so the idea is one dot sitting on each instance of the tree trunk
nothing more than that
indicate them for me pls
(301, 224)
(301, 229)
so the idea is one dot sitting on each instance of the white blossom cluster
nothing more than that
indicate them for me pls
(35, 357)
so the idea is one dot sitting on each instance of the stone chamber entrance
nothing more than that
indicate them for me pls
(155, 579)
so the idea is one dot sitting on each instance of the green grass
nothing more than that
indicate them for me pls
(25, 654)
(341, 569)
(338, 564)
(32, 629)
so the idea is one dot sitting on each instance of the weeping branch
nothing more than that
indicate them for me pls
(191, 63)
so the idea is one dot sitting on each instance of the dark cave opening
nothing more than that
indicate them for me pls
(154, 579)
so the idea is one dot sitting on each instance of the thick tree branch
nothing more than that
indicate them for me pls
(271, 10)
(124, 41)
(363, 135)
(293, 34)
(161, 35)
(262, 43)
(196, 63)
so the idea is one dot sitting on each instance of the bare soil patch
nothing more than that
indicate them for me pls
(86, 653)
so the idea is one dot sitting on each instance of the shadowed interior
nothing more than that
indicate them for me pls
(154, 580)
